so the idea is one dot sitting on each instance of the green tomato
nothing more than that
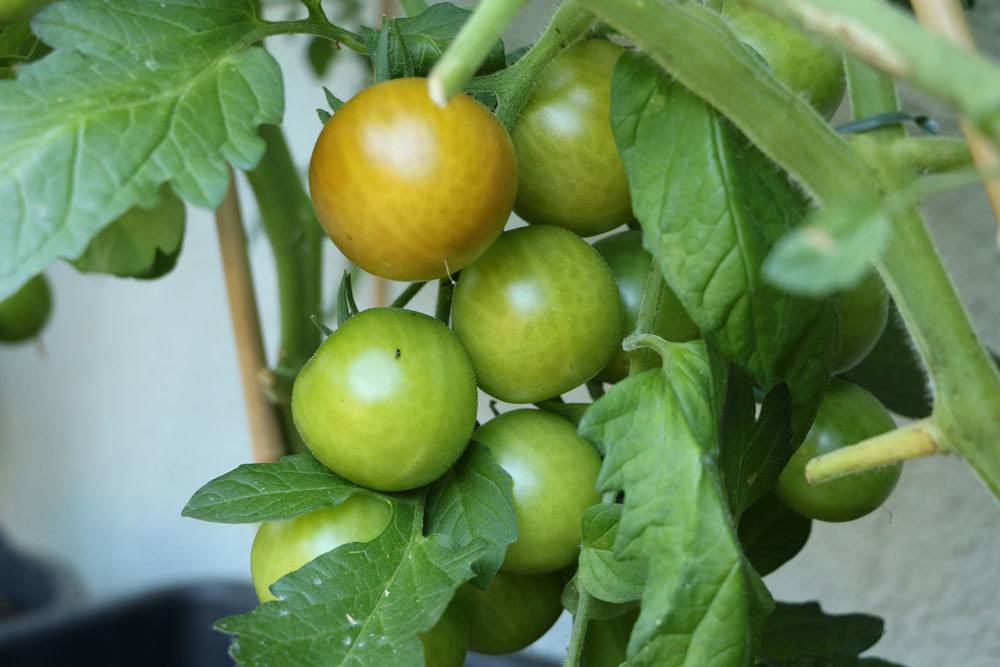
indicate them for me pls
(388, 401)
(847, 415)
(538, 313)
(513, 612)
(24, 313)
(569, 170)
(606, 642)
(17, 10)
(630, 263)
(864, 312)
(281, 547)
(801, 61)
(555, 480)
(446, 644)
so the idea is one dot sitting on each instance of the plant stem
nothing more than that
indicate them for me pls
(642, 358)
(265, 435)
(442, 310)
(314, 25)
(581, 619)
(407, 294)
(917, 154)
(914, 441)
(470, 47)
(413, 7)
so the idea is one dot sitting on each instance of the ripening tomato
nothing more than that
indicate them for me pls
(798, 59)
(388, 401)
(630, 263)
(847, 415)
(555, 481)
(864, 312)
(538, 313)
(24, 313)
(569, 171)
(281, 547)
(409, 190)
(446, 644)
(513, 612)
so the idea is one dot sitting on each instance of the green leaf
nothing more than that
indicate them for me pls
(600, 572)
(893, 372)
(360, 604)
(419, 41)
(136, 94)
(256, 492)
(803, 630)
(772, 534)
(143, 243)
(18, 46)
(475, 501)
(346, 306)
(832, 251)
(599, 609)
(320, 54)
(702, 603)
(711, 207)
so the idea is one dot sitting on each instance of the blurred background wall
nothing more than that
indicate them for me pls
(133, 402)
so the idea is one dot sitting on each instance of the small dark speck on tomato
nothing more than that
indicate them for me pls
(398, 353)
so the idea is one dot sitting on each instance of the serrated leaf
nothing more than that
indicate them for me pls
(832, 251)
(711, 207)
(256, 492)
(143, 243)
(475, 501)
(360, 604)
(804, 630)
(702, 603)
(772, 534)
(136, 94)
(601, 572)
(599, 609)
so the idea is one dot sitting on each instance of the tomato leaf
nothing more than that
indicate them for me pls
(136, 94)
(702, 603)
(360, 604)
(795, 631)
(346, 305)
(599, 609)
(601, 572)
(711, 208)
(143, 243)
(475, 501)
(256, 492)
(18, 46)
(772, 534)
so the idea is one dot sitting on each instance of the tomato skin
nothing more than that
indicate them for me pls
(17, 10)
(24, 313)
(281, 547)
(606, 642)
(864, 312)
(569, 171)
(388, 401)
(802, 62)
(847, 415)
(555, 481)
(408, 190)
(630, 264)
(513, 612)
(446, 644)
(538, 313)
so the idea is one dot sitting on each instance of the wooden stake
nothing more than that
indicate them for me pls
(948, 18)
(266, 440)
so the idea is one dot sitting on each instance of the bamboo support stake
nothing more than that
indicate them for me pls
(948, 18)
(265, 432)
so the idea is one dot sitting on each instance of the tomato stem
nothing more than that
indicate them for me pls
(910, 442)
(407, 294)
(442, 310)
(581, 619)
(313, 25)
(641, 358)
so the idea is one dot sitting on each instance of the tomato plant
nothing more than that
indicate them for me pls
(538, 314)
(765, 253)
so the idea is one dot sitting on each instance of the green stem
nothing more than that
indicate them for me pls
(442, 310)
(413, 7)
(295, 237)
(407, 294)
(910, 442)
(897, 44)
(642, 358)
(314, 25)
(927, 154)
(581, 619)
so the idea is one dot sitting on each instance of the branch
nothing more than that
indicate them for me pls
(914, 441)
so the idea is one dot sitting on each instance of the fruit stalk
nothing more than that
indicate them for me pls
(917, 440)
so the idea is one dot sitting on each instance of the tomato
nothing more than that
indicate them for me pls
(408, 190)
(864, 312)
(606, 642)
(569, 171)
(446, 644)
(513, 612)
(24, 313)
(388, 400)
(282, 547)
(555, 480)
(630, 264)
(847, 415)
(16, 10)
(801, 61)
(538, 313)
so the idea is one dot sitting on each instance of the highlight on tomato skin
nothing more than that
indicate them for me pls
(408, 190)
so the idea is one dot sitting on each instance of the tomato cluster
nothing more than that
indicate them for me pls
(411, 191)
